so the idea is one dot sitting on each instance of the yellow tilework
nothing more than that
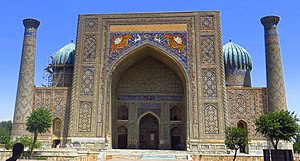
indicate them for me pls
(148, 28)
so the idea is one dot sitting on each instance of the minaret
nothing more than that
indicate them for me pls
(275, 79)
(24, 99)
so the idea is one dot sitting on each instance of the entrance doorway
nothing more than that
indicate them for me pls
(122, 137)
(56, 143)
(149, 135)
(176, 139)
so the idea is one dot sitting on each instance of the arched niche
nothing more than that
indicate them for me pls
(120, 68)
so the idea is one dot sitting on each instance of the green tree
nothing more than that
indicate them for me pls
(38, 122)
(235, 138)
(296, 145)
(278, 125)
(5, 130)
(6, 124)
(25, 140)
(4, 135)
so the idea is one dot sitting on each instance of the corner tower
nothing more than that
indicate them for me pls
(275, 79)
(24, 99)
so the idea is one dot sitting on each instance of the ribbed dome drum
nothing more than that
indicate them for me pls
(62, 66)
(238, 65)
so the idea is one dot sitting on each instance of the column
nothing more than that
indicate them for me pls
(275, 79)
(24, 99)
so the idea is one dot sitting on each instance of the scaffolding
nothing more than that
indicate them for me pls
(58, 75)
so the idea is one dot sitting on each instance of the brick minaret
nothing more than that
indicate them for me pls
(24, 99)
(275, 79)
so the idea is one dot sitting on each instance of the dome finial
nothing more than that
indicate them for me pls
(229, 40)
(72, 40)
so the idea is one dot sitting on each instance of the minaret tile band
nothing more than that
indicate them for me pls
(24, 99)
(275, 79)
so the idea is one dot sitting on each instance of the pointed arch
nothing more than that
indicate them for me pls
(122, 113)
(122, 65)
(148, 131)
(57, 127)
(175, 113)
(243, 124)
(176, 136)
(122, 137)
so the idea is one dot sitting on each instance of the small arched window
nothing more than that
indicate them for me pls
(175, 114)
(123, 113)
(57, 127)
(242, 124)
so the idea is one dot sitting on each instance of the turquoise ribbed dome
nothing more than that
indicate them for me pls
(236, 57)
(65, 55)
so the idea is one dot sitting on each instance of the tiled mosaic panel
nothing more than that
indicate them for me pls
(210, 83)
(275, 77)
(48, 100)
(149, 75)
(175, 42)
(206, 23)
(87, 79)
(85, 117)
(150, 97)
(91, 24)
(89, 49)
(147, 107)
(240, 102)
(59, 103)
(207, 49)
(24, 100)
(54, 100)
(211, 119)
(38, 99)
(252, 102)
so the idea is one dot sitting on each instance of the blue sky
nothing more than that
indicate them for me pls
(240, 22)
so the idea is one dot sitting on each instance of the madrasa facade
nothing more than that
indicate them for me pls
(150, 81)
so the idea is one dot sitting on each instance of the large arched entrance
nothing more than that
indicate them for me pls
(148, 98)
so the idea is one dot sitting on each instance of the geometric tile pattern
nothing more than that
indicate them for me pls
(87, 79)
(240, 104)
(275, 78)
(207, 49)
(89, 49)
(150, 97)
(150, 75)
(59, 103)
(91, 24)
(252, 104)
(85, 117)
(48, 100)
(25, 86)
(206, 23)
(38, 99)
(24, 99)
(54, 100)
(210, 83)
(246, 105)
(211, 119)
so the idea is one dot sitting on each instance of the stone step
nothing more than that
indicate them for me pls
(147, 155)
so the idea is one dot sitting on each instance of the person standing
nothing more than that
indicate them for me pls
(17, 151)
